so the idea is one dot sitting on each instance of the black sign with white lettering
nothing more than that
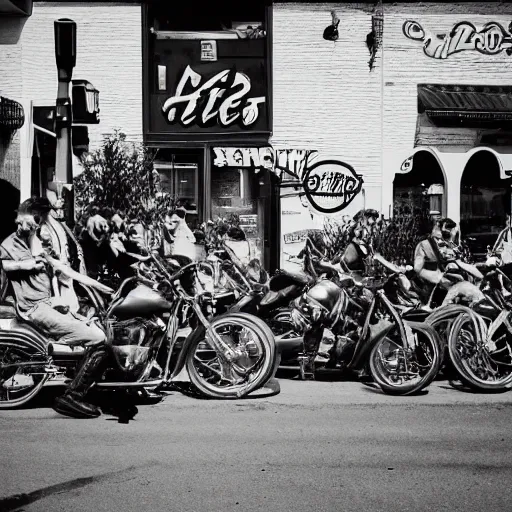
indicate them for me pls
(190, 95)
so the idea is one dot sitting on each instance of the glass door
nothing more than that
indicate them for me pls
(236, 197)
(180, 179)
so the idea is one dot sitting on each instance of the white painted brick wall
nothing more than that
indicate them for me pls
(324, 95)
(405, 65)
(109, 55)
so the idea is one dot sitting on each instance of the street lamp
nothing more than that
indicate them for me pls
(65, 56)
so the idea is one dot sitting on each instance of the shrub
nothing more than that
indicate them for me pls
(119, 177)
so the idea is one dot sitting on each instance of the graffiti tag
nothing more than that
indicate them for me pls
(329, 185)
(291, 161)
(223, 99)
(491, 39)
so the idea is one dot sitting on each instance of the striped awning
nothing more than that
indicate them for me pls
(470, 102)
(16, 7)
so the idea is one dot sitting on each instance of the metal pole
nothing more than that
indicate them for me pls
(65, 56)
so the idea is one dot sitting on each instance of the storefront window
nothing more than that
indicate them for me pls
(236, 198)
(179, 178)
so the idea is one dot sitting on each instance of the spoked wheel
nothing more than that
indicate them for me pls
(483, 364)
(254, 364)
(22, 374)
(402, 371)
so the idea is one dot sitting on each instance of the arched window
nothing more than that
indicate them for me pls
(424, 184)
(484, 202)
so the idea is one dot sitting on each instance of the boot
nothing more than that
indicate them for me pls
(72, 402)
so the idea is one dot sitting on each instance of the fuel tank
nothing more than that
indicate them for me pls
(141, 301)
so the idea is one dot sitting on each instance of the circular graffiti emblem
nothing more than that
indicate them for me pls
(330, 185)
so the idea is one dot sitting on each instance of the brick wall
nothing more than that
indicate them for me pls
(405, 65)
(109, 55)
(324, 95)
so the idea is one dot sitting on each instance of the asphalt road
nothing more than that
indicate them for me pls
(317, 446)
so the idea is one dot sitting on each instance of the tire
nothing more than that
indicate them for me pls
(467, 350)
(264, 362)
(425, 362)
(19, 382)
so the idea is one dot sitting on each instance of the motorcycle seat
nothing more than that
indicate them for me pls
(22, 325)
(285, 278)
(274, 299)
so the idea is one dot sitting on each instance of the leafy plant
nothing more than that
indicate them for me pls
(119, 178)
(395, 238)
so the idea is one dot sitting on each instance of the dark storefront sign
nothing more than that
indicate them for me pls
(16, 7)
(191, 93)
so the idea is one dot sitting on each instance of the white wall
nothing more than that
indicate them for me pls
(405, 65)
(109, 55)
(324, 96)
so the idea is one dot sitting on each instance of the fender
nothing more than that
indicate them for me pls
(25, 338)
(369, 343)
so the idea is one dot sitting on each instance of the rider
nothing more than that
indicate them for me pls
(360, 246)
(433, 254)
(31, 281)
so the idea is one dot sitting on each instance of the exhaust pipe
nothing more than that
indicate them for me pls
(61, 351)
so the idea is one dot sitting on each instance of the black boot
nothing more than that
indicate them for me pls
(72, 403)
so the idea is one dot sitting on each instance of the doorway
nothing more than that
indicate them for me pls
(484, 202)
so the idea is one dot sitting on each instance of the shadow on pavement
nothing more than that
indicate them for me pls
(15, 502)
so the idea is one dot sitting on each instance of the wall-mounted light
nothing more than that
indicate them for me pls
(86, 102)
(331, 32)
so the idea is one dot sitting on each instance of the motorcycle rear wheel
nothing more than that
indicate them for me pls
(20, 381)
(400, 372)
(256, 365)
(479, 367)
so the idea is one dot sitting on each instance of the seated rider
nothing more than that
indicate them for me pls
(360, 247)
(31, 280)
(432, 258)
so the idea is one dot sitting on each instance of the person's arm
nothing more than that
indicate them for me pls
(30, 265)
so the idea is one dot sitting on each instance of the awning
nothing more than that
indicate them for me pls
(16, 7)
(466, 105)
(12, 115)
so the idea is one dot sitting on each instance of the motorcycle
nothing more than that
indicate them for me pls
(402, 355)
(227, 356)
(480, 338)
(248, 289)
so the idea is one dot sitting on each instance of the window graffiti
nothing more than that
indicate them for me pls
(491, 39)
(328, 185)
(222, 99)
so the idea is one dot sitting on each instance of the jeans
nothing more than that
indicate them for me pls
(66, 328)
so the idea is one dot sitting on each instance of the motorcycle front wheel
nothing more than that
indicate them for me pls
(483, 365)
(402, 371)
(254, 365)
